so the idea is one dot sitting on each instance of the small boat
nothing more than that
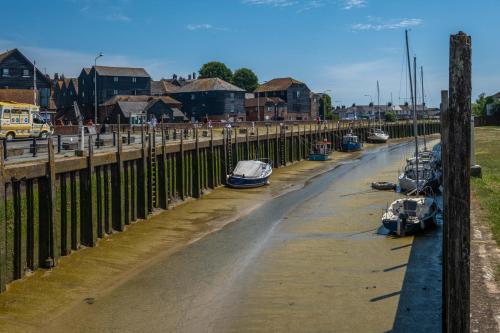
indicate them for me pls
(410, 178)
(377, 136)
(249, 174)
(409, 215)
(321, 151)
(350, 142)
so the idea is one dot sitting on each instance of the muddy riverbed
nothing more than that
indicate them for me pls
(306, 254)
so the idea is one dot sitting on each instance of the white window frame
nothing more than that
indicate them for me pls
(115, 92)
(134, 80)
(115, 79)
(26, 73)
(5, 72)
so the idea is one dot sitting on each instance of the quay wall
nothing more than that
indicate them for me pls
(49, 209)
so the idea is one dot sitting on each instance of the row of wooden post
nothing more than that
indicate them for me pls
(79, 207)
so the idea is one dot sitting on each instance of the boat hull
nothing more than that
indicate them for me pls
(377, 139)
(350, 147)
(409, 228)
(319, 157)
(240, 182)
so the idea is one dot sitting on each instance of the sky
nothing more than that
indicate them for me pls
(341, 47)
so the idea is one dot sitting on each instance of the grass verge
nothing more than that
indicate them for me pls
(487, 188)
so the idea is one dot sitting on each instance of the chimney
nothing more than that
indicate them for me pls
(194, 76)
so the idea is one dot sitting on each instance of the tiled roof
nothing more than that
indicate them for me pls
(162, 87)
(130, 108)
(121, 71)
(17, 95)
(212, 84)
(133, 98)
(278, 84)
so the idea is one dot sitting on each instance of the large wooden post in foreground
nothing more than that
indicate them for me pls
(456, 182)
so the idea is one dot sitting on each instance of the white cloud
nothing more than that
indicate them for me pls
(350, 4)
(299, 5)
(204, 26)
(117, 17)
(389, 25)
(272, 3)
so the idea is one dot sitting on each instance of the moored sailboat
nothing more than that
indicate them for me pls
(377, 135)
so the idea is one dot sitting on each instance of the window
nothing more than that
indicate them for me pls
(83, 93)
(231, 95)
(115, 92)
(269, 108)
(115, 79)
(193, 97)
(26, 73)
(297, 94)
(5, 72)
(134, 80)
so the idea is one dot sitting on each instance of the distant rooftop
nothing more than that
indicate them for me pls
(212, 84)
(121, 71)
(277, 84)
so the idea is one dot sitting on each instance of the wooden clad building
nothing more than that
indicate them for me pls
(266, 108)
(212, 98)
(296, 95)
(136, 109)
(111, 81)
(18, 73)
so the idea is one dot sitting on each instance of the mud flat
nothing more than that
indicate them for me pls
(304, 253)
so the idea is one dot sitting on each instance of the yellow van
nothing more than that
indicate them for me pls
(19, 120)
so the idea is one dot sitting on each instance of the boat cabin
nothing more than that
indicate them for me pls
(322, 147)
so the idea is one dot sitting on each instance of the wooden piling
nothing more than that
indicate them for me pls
(456, 183)
(3, 225)
(117, 192)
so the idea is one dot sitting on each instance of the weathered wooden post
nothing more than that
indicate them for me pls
(118, 187)
(141, 179)
(3, 225)
(88, 209)
(197, 191)
(211, 162)
(456, 183)
(48, 236)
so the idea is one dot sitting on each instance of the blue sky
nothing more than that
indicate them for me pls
(342, 46)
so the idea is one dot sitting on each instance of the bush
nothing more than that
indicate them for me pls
(390, 116)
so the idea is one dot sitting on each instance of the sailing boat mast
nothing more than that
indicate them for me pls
(413, 100)
(378, 106)
(423, 102)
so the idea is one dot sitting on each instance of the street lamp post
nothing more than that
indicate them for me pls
(95, 85)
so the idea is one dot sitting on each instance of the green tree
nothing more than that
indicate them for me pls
(390, 116)
(215, 69)
(479, 107)
(245, 79)
(327, 103)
